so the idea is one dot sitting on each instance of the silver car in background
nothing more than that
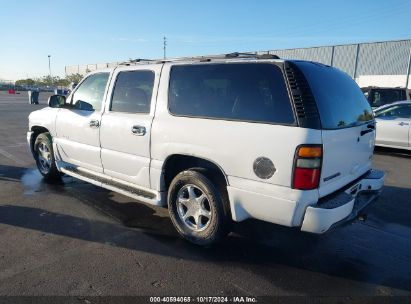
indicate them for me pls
(394, 125)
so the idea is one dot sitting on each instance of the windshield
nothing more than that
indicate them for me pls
(380, 97)
(340, 101)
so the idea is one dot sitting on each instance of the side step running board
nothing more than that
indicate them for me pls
(110, 184)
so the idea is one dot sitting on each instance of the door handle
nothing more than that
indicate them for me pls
(138, 130)
(94, 123)
(366, 131)
(403, 123)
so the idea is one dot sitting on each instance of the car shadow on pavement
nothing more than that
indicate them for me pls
(402, 153)
(320, 256)
(11, 173)
(375, 251)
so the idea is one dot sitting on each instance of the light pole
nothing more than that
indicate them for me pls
(164, 46)
(49, 66)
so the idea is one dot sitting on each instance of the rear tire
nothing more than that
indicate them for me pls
(44, 156)
(197, 208)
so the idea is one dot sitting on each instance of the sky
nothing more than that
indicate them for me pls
(90, 31)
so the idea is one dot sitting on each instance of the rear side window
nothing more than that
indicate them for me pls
(340, 101)
(132, 92)
(400, 111)
(237, 91)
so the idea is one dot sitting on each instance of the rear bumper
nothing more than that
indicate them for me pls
(345, 205)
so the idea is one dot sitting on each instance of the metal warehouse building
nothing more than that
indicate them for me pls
(385, 63)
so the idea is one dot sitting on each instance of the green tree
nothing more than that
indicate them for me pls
(50, 81)
(76, 78)
(26, 82)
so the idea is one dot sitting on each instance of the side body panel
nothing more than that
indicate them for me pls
(393, 131)
(45, 118)
(234, 146)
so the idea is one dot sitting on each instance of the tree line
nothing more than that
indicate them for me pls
(49, 81)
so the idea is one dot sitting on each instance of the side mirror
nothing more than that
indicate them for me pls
(56, 101)
(83, 105)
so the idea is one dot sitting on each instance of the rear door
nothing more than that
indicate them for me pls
(347, 124)
(393, 125)
(126, 124)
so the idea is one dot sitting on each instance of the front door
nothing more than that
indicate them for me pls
(78, 127)
(126, 124)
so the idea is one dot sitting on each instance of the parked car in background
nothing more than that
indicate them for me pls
(379, 96)
(218, 140)
(394, 125)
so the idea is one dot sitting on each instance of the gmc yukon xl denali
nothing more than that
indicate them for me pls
(218, 140)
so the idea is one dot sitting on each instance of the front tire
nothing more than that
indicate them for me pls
(44, 156)
(197, 208)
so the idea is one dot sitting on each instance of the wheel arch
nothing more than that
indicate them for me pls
(36, 131)
(177, 163)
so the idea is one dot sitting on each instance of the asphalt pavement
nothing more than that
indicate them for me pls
(72, 238)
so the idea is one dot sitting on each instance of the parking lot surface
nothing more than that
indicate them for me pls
(73, 238)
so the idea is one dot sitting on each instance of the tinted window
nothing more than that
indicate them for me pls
(90, 93)
(380, 97)
(401, 111)
(340, 101)
(132, 92)
(248, 92)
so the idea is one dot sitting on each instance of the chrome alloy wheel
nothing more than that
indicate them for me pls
(193, 208)
(44, 157)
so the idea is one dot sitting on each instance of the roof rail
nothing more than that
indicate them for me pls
(205, 58)
(251, 55)
(225, 56)
(135, 61)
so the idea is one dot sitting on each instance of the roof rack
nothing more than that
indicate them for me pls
(206, 58)
(134, 61)
(251, 55)
(233, 55)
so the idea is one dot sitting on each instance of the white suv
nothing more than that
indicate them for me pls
(218, 140)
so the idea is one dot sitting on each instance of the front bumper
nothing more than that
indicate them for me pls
(29, 140)
(344, 205)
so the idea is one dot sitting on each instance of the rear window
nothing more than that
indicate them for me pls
(380, 97)
(340, 101)
(237, 91)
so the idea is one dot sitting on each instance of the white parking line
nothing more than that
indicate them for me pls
(10, 156)
(14, 146)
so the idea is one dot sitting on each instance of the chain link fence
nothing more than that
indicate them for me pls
(376, 63)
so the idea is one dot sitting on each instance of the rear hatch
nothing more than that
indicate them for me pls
(347, 123)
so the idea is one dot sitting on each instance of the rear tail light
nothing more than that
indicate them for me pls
(307, 167)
